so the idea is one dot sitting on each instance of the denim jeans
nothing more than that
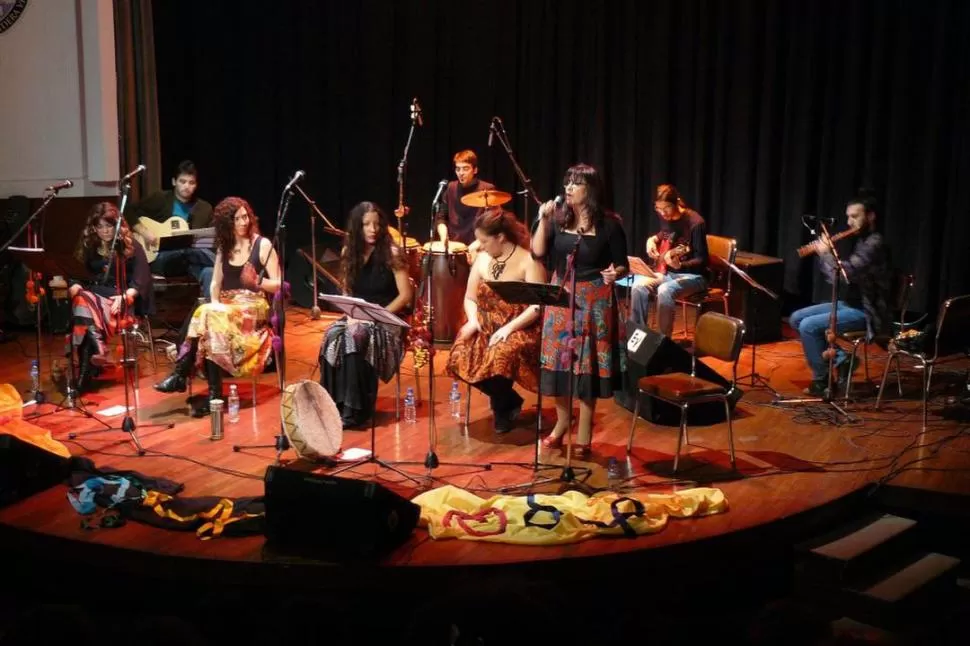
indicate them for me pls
(812, 321)
(197, 263)
(674, 286)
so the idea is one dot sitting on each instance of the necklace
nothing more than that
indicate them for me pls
(497, 267)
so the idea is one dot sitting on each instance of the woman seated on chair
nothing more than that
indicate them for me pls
(99, 308)
(355, 353)
(232, 332)
(499, 345)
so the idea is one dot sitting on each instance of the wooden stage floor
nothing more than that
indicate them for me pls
(790, 459)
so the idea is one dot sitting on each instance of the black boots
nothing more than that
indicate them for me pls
(213, 374)
(178, 380)
(86, 370)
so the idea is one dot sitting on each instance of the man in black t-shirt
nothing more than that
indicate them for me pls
(679, 275)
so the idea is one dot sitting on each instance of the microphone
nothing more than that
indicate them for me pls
(491, 132)
(297, 176)
(139, 169)
(62, 184)
(416, 112)
(559, 200)
(441, 189)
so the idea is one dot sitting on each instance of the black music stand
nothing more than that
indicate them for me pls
(541, 294)
(362, 310)
(53, 264)
(757, 381)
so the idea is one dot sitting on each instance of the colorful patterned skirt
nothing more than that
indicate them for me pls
(516, 358)
(600, 356)
(234, 333)
(381, 345)
(92, 316)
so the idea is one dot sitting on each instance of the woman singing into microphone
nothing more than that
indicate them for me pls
(581, 228)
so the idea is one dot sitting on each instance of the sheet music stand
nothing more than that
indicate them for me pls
(541, 294)
(51, 264)
(362, 310)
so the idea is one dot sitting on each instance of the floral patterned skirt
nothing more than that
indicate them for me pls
(600, 356)
(516, 358)
(233, 333)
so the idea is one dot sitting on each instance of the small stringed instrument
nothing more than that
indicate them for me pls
(171, 228)
(676, 251)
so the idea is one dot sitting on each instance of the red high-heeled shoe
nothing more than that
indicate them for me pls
(552, 442)
(582, 450)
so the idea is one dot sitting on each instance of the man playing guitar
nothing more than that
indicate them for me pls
(679, 250)
(180, 212)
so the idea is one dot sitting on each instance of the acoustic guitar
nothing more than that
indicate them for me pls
(173, 233)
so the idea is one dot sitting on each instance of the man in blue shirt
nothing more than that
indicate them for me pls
(180, 202)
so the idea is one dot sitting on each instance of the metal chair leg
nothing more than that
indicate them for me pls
(468, 406)
(848, 380)
(397, 400)
(633, 424)
(684, 310)
(680, 436)
(151, 342)
(899, 379)
(885, 373)
(727, 412)
(865, 359)
(927, 382)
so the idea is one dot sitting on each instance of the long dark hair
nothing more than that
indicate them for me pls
(109, 213)
(496, 221)
(223, 219)
(352, 258)
(595, 194)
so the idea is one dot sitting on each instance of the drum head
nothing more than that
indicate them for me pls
(311, 421)
(453, 247)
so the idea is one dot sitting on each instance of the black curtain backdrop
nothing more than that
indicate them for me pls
(758, 111)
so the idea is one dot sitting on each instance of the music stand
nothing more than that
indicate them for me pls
(48, 263)
(757, 381)
(541, 294)
(362, 310)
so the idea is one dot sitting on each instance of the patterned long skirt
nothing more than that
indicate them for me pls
(516, 358)
(92, 317)
(233, 333)
(600, 357)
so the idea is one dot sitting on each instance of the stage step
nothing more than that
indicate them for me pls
(846, 554)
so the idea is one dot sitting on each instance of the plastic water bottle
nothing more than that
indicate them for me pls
(233, 403)
(455, 399)
(410, 413)
(613, 474)
(34, 376)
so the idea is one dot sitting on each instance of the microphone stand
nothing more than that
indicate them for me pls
(526, 192)
(401, 166)
(828, 396)
(329, 228)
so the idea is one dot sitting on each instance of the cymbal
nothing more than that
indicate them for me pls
(486, 198)
(396, 238)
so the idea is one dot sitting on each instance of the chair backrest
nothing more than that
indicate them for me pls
(725, 249)
(951, 327)
(719, 336)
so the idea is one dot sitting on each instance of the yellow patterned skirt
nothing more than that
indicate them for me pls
(234, 333)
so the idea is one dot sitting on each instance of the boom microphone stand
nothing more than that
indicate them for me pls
(329, 228)
(828, 396)
(416, 120)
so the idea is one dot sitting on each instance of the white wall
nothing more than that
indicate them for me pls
(58, 100)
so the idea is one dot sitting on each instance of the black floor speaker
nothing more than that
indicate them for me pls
(337, 518)
(300, 275)
(657, 355)
(26, 469)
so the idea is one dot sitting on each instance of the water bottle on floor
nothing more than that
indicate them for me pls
(455, 400)
(613, 474)
(233, 403)
(410, 413)
(34, 376)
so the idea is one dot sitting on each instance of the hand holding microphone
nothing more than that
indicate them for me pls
(549, 207)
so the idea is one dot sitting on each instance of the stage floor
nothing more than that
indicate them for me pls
(790, 458)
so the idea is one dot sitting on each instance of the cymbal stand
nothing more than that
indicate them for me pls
(329, 228)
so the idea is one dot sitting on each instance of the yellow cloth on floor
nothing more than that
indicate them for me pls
(539, 519)
(13, 423)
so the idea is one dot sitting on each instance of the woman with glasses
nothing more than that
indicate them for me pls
(99, 307)
(586, 242)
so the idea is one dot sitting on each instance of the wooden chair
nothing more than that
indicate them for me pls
(718, 247)
(949, 344)
(716, 335)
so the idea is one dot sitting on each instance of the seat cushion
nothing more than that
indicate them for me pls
(712, 295)
(678, 385)
(853, 335)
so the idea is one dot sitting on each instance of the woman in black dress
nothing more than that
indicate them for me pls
(354, 354)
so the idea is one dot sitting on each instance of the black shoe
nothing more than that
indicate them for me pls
(86, 370)
(844, 374)
(817, 388)
(177, 382)
(504, 423)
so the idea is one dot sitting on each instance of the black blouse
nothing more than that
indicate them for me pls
(375, 283)
(596, 252)
(232, 275)
(138, 275)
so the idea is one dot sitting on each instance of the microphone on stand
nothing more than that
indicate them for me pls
(491, 131)
(442, 185)
(416, 112)
(139, 169)
(297, 176)
(60, 185)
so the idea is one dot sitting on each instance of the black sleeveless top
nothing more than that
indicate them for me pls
(375, 283)
(232, 275)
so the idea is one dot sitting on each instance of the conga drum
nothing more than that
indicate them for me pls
(412, 249)
(447, 273)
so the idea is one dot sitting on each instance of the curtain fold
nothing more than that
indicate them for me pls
(137, 94)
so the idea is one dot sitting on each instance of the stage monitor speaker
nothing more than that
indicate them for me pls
(26, 469)
(657, 355)
(760, 313)
(300, 275)
(334, 517)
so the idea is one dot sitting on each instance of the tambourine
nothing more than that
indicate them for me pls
(311, 421)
